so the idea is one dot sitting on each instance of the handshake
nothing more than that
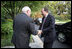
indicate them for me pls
(39, 31)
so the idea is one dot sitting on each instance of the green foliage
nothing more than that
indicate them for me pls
(7, 27)
(6, 32)
(57, 17)
(31, 39)
(12, 8)
(61, 9)
(6, 40)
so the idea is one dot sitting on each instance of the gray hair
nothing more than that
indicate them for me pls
(25, 9)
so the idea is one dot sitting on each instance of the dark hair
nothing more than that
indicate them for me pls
(46, 9)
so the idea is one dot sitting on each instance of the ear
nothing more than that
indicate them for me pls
(27, 11)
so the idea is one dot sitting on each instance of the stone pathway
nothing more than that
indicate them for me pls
(37, 42)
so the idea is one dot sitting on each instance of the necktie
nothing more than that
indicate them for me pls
(43, 23)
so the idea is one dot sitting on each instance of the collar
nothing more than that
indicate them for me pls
(46, 15)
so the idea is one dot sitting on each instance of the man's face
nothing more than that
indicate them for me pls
(43, 12)
(29, 12)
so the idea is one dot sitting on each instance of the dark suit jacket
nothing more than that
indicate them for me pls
(23, 27)
(48, 29)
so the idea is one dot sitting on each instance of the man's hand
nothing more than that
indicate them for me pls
(39, 31)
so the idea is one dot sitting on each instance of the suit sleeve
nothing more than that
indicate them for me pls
(32, 28)
(40, 27)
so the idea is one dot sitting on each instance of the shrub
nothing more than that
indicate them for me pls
(6, 33)
(7, 27)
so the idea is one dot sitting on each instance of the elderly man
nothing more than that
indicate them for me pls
(23, 27)
(47, 28)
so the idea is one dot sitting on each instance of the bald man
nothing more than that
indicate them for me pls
(23, 27)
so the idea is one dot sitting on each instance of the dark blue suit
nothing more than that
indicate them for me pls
(48, 31)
